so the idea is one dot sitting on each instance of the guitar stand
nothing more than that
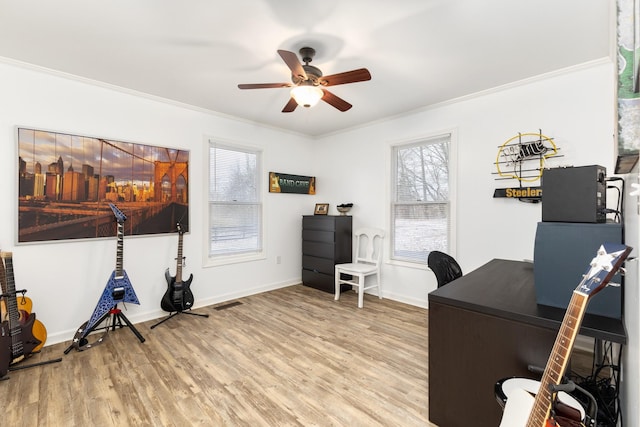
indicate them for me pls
(175, 314)
(591, 412)
(118, 318)
(33, 365)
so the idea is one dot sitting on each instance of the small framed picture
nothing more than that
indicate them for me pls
(321, 209)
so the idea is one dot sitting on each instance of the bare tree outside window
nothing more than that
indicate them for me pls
(420, 205)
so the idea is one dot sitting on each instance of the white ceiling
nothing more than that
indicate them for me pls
(419, 52)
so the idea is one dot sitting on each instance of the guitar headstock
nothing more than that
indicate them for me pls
(120, 217)
(603, 267)
(180, 229)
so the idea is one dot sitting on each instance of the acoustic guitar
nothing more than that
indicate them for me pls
(118, 289)
(524, 410)
(178, 296)
(24, 306)
(27, 335)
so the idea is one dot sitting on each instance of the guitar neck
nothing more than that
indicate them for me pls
(558, 360)
(180, 260)
(3, 277)
(120, 250)
(9, 289)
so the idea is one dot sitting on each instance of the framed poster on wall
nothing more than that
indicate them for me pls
(66, 183)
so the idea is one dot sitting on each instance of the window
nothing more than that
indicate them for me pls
(235, 206)
(420, 211)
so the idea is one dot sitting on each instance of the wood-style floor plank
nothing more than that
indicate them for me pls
(289, 357)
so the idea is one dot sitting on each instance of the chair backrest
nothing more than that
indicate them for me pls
(444, 266)
(368, 245)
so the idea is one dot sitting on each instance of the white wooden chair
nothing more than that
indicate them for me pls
(367, 259)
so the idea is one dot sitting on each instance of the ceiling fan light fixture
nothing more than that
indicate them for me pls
(307, 96)
(308, 82)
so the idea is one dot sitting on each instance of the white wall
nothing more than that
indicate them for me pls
(65, 279)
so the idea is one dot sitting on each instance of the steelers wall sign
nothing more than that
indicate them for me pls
(532, 194)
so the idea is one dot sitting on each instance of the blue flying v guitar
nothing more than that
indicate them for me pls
(118, 289)
(522, 409)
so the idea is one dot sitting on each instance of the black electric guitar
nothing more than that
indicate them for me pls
(5, 334)
(118, 289)
(21, 332)
(178, 296)
(522, 409)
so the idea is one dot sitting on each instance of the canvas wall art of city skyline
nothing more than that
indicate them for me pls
(66, 183)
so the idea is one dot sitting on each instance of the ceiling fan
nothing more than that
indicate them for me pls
(308, 82)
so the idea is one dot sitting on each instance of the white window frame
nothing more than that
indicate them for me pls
(391, 197)
(233, 257)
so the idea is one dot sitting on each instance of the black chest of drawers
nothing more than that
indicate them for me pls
(326, 241)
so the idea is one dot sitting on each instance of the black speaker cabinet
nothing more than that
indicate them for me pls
(574, 194)
(562, 254)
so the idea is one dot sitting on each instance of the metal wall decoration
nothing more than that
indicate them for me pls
(522, 158)
(285, 183)
(66, 182)
(628, 84)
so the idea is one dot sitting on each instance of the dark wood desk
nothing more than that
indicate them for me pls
(486, 326)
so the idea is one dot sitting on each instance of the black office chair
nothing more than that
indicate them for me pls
(444, 267)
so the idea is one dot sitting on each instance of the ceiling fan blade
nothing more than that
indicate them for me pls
(291, 105)
(263, 85)
(353, 76)
(292, 61)
(335, 101)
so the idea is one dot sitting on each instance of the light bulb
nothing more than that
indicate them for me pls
(307, 95)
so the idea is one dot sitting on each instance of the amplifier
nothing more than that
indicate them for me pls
(562, 253)
(574, 194)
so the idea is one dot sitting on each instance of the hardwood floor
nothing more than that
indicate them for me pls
(290, 357)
